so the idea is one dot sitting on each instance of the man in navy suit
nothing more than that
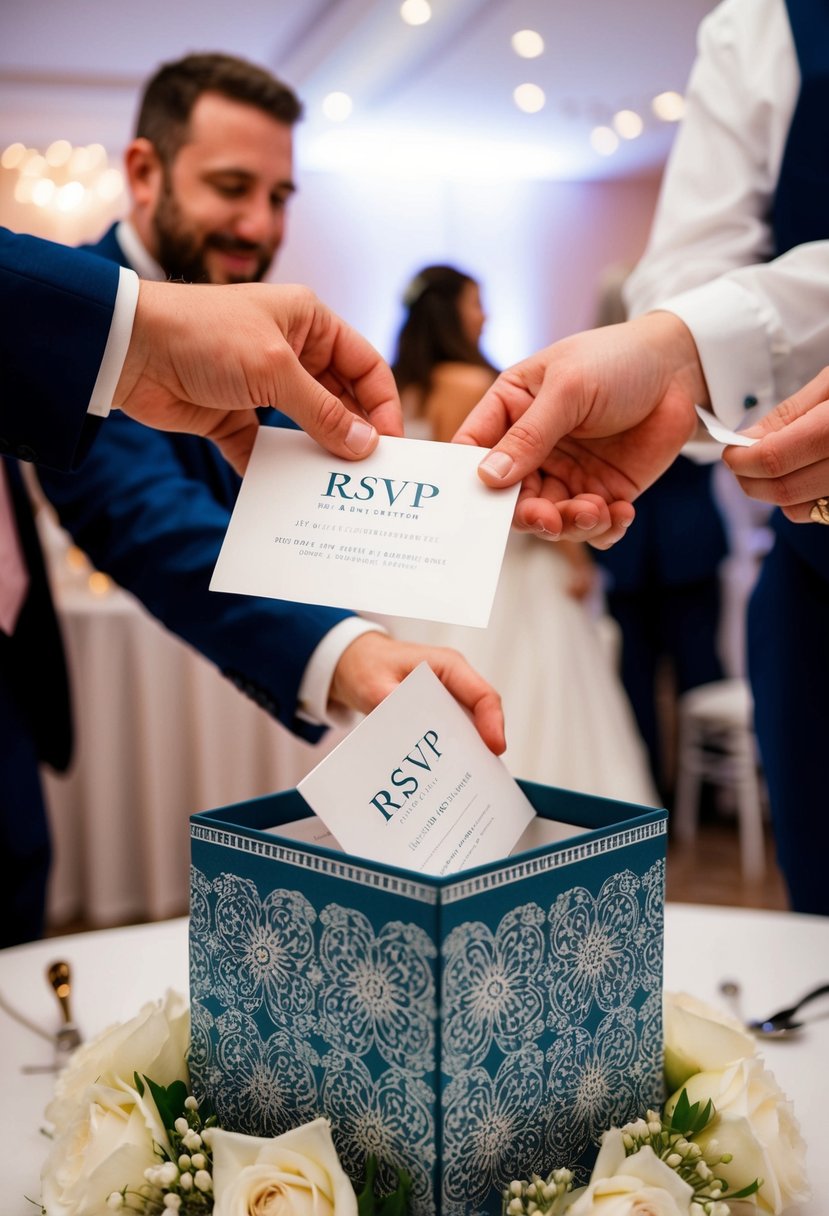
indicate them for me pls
(78, 334)
(210, 171)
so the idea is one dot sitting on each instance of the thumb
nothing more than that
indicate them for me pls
(324, 416)
(524, 447)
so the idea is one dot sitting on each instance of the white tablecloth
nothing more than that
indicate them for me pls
(160, 735)
(776, 956)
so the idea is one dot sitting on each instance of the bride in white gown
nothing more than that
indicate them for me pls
(547, 651)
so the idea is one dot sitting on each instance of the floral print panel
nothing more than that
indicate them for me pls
(506, 1049)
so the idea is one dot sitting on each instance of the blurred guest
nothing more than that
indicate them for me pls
(569, 723)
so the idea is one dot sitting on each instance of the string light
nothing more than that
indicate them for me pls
(528, 44)
(337, 106)
(416, 12)
(604, 140)
(64, 178)
(529, 98)
(669, 106)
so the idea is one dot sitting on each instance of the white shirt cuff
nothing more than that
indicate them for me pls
(115, 352)
(319, 672)
(738, 342)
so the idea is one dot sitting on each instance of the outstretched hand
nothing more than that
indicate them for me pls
(202, 358)
(589, 423)
(374, 664)
(789, 466)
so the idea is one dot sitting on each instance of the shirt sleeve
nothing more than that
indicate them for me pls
(319, 672)
(115, 352)
(762, 332)
(719, 182)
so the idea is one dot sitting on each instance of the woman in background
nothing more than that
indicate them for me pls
(543, 635)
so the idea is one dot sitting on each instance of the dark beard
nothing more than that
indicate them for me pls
(181, 255)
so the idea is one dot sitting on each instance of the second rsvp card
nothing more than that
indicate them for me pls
(409, 531)
(413, 785)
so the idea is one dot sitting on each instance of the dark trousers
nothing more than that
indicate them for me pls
(24, 831)
(661, 622)
(788, 640)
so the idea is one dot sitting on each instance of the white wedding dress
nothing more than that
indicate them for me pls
(553, 659)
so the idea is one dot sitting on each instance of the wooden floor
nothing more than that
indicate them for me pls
(708, 871)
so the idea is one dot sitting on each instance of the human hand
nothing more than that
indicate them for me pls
(202, 358)
(789, 466)
(588, 424)
(582, 575)
(374, 664)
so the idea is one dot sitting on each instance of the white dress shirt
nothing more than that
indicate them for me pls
(761, 327)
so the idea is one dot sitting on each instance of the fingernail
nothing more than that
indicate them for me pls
(626, 523)
(360, 435)
(585, 522)
(546, 534)
(498, 464)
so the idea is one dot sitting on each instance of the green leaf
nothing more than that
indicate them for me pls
(395, 1204)
(365, 1198)
(169, 1101)
(688, 1119)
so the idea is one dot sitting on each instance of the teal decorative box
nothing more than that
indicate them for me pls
(472, 1029)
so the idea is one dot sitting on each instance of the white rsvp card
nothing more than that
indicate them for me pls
(414, 785)
(719, 431)
(410, 531)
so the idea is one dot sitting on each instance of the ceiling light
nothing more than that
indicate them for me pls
(528, 44)
(628, 124)
(337, 106)
(604, 140)
(529, 98)
(416, 12)
(669, 106)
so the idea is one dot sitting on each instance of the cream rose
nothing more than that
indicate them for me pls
(639, 1185)
(755, 1122)
(699, 1038)
(153, 1044)
(107, 1145)
(296, 1174)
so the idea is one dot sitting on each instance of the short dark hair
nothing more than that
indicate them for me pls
(170, 95)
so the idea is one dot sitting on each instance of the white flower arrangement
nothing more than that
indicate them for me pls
(128, 1136)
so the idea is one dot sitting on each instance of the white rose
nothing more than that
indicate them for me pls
(755, 1122)
(295, 1174)
(154, 1044)
(107, 1145)
(639, 1185)
(699, 1038)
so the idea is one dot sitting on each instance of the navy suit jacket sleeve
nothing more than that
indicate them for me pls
(56, 307)
(151, 509)
(145, 518)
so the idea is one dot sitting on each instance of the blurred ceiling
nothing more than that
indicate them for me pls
(435, 97)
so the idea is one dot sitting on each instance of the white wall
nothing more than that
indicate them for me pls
(539, 248)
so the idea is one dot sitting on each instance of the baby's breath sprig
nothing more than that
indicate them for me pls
(538, 1196)
(672, 1140)
(181, 1184)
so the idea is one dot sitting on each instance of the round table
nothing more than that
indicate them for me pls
(776, 956)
